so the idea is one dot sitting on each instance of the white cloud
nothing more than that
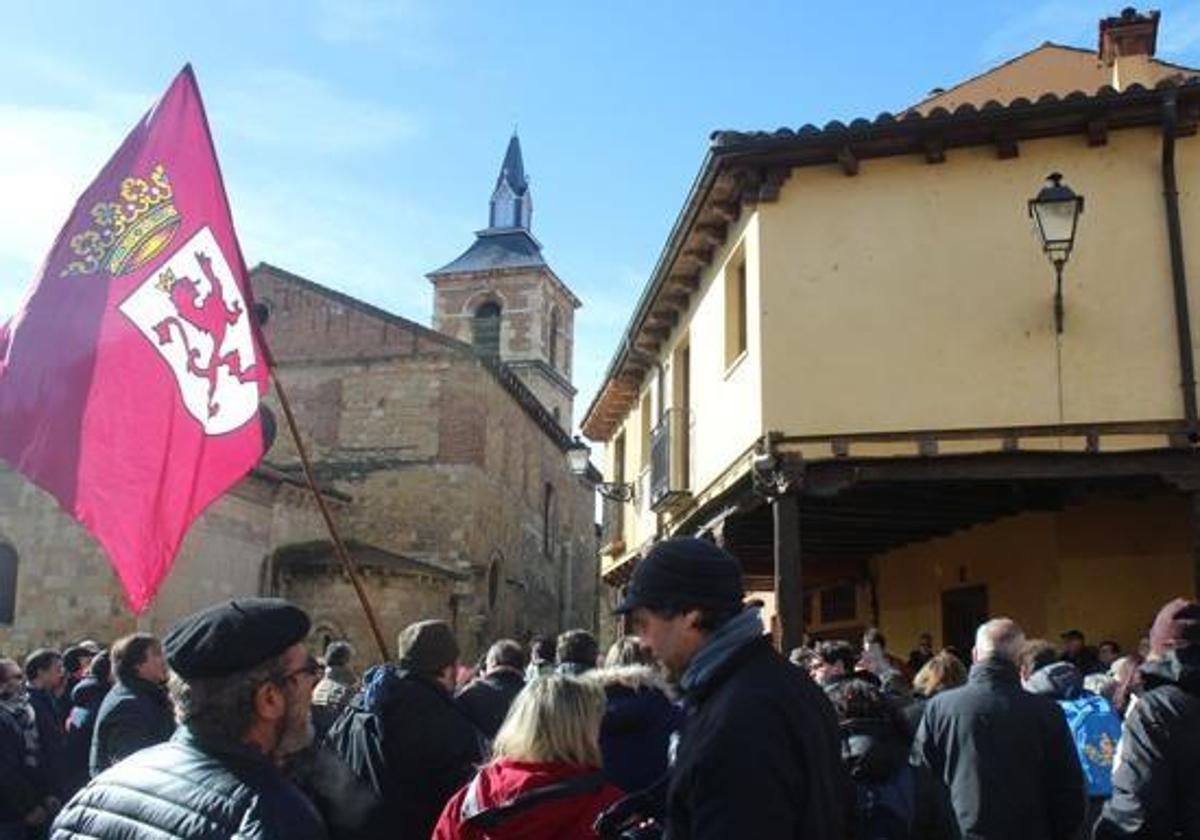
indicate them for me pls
(47, 159)
(269, 131)
(283, 109)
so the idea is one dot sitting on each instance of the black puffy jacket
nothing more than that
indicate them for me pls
(1156, 778)
(1006, 756)
(134, 715)
(194, 790)
(758, 755)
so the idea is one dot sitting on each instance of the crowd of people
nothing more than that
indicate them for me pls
(228, 726)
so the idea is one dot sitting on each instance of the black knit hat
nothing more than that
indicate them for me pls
(685, 573)
(233, 636)
(428, 647)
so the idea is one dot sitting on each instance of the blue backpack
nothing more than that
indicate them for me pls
(1096, 730)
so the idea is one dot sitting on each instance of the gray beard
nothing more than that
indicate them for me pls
(297, 735)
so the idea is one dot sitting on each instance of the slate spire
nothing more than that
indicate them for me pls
(511, 205)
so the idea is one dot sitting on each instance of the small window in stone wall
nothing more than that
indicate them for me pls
(8, 583)
(485, 330)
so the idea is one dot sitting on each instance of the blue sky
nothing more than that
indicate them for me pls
(360, 140)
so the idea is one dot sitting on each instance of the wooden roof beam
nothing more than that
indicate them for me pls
(689, 282)
(847, 160)
(709, 235)
(935, 149)
(1007, 147)
(725, 211)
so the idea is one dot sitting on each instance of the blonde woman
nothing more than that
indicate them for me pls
(544, 779)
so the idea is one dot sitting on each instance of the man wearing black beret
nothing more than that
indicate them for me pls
(759, 753)
(242, 683)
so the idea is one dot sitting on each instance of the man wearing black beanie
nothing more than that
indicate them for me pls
(759, 754)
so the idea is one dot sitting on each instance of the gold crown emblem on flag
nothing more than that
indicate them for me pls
(129, 232)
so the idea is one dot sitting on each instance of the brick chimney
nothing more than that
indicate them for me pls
(1127, 43)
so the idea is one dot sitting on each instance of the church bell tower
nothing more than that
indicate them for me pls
(501, 297)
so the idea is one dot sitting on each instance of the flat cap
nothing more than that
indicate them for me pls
(233, 636)
(685, 573)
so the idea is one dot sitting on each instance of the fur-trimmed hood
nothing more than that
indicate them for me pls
(633, 677)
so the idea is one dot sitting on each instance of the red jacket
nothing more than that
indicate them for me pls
(567, 818)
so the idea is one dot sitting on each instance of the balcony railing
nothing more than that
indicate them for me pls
(669, 461)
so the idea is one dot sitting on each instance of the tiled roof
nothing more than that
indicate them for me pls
(865, 129)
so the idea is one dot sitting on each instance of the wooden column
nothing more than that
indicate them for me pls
(785, 509)
(1196, 543)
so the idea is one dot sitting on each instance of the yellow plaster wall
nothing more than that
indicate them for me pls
(726, 402)
(916, 296)
(725, 415)
(1105, 568)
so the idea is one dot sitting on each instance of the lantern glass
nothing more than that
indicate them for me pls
(1056, 211)
(578, 457)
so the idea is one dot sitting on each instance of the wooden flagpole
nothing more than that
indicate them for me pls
(339, 547)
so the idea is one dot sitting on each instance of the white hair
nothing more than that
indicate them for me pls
(1000, 637)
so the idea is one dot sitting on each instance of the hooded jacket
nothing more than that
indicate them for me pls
(566, 818)
(875, 753)
(1006, 756)
(639, 721)
(86, 698)
(1156, 778)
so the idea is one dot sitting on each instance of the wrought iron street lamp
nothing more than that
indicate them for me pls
(1056, 209)
(579, 459)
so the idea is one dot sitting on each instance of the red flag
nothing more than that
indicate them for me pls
(130, 377)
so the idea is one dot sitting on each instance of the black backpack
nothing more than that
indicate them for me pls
(357, 734)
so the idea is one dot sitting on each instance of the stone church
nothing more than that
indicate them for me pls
(440, 452)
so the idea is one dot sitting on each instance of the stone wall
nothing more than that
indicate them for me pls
(398, 599)
(527, 297)
(67, 590)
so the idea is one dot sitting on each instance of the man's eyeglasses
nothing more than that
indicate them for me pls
(311, 667)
